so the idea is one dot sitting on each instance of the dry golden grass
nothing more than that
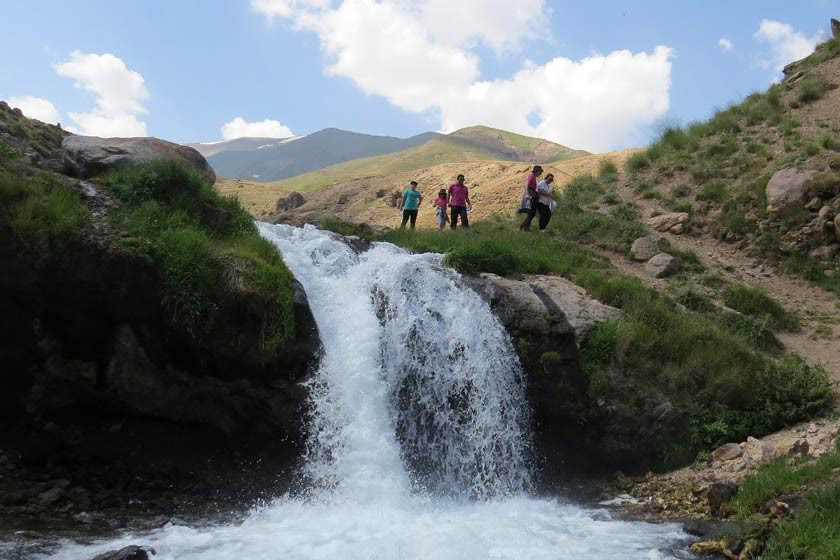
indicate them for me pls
(495, 187)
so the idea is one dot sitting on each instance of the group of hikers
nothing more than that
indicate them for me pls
(536, 199)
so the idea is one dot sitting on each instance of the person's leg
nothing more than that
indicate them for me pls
(453, 220)
(405, 218)
(441, 216)
(465, 221)
(545, 216)
(413, 216)
(532, 211)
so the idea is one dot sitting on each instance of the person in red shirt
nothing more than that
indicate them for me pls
(459, 201)
(534, 196)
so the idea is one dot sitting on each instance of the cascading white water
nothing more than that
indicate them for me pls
(418, 440)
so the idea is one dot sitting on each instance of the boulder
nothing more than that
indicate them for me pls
(662, 265)
(786, 190)
(543, 305)
(837, 227)
(814, 204)
(665, 222)
(758, 452)
(825, 253)
(132, 552)
(719, 494)
(726, 452)
(290, 202)
(825, 213)
(86, 156)
(645, 247)
(835, 28)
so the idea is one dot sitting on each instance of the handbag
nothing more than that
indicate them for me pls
(524, 205)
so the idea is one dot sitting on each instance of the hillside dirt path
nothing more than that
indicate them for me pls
(819, 310)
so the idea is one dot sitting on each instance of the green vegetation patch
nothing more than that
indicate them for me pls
(45, 215)
(206, 246)
(814, 534)
(755, 302)
(810, 89)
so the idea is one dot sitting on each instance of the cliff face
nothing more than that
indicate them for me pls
(127, 375)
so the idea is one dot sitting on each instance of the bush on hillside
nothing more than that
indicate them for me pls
(755, 302)
(45, 215)
(206, 245)
(637, 162)
(810, 89)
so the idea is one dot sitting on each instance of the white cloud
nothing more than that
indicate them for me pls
(786, 45)
(36, 108)
(239, 127)
(120, 94)
(421, 57)
(725, 44)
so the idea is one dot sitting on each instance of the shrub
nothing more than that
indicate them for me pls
(829, 142)
(484, 257)
(814, 533)
(204, 245)
(755, 302)
(810, 89)
(637, 162)
(714, 191)
(44, 215)
(607, 170)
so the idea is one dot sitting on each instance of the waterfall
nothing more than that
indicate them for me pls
(418, 440)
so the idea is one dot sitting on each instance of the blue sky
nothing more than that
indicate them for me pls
(181, 69)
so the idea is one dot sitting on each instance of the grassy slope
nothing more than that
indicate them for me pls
(718, 170)
(722, 369)
(475, 143)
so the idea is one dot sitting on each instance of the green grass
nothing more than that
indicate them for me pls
(781, 477)
(756, 303)
(206, 246)
(637, 162)
(45, 216)
(810, 89)
(607, 171)
(814, 534)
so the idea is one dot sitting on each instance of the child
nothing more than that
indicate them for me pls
(440, 209)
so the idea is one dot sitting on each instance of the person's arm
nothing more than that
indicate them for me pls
(419, 201)
(467, 196)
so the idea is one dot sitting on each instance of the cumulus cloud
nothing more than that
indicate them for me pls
(725, 44)
(36, 108)
(421, 56)
(120, 94)
(786, 44)
(239, 127)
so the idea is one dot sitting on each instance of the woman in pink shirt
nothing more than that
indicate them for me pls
(534, 196)
(459, 200)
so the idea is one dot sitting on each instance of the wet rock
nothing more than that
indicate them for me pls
(645, 247)
(662, 265)
(786, 191)
(664, 222)
(51, 496)
(87, 156)
(719, 494)
(132, 552)
(726, 452)
(708, 548)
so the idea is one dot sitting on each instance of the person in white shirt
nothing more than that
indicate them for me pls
(546, 204)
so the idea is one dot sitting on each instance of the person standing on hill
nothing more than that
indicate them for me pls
(409, 204)
(440, 208)
(545, 204)
(532, 196)
(459, 201)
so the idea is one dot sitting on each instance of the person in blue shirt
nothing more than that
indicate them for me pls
(409, 204)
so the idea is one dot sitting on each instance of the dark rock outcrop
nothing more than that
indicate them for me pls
(132, 552)
(575, 429)
(87, 156)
